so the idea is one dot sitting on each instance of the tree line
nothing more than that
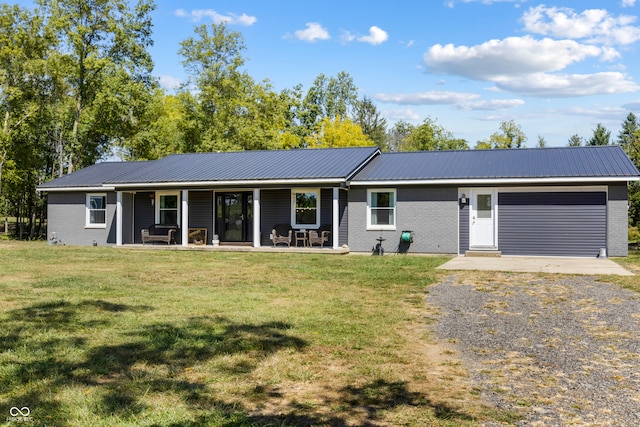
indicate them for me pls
(76, 86)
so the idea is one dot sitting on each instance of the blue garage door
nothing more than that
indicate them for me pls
(552, 223)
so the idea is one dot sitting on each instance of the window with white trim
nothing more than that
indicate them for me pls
(96, 210)
(381, 209)
(168, 208)
(305, 208)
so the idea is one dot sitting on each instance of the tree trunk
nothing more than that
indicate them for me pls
(3, 146)
(32, 231)
(74, 135)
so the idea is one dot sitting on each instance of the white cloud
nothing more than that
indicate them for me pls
(492, 104)
(599, 113)
(628, 3)
(312, 32)
(404, 114)
(427, 98)
(512, 56)
(592, 25)
(461, 100)
(567, 85)
(376, 36)
(347, 37)
(198, 14)
(169, 82)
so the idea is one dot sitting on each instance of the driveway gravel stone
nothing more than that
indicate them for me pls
(558, 350)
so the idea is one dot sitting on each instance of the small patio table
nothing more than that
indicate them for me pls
(301, 236)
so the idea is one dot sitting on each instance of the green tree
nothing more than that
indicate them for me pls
(372, 123)
(629, 139)
(106, 66)
(160, 133)
(229, 111)
(542, 143)
(430, 136)
(24, 46)
(397, 136)
(629, 131)
(483, 145)
(575, 140)
(327, 98)
(511, 136)
(338, 132)
(601, 136)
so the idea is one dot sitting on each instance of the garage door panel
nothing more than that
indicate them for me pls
(567, 224)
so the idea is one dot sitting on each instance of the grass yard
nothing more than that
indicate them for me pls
(631, 263)
(119, 337)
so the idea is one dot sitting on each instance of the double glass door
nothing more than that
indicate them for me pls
(234, 216)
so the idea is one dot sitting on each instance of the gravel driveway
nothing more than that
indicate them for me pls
(559, 350)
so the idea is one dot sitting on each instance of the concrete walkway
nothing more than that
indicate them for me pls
(521, 264)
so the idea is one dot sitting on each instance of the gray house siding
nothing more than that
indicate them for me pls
(343, 218)
(431, 213)
(127, 219)
(201, 212)
(552, 223)
(463, 228)
(326, 206)
(66, 214)
(617, 221)
(275, 208)
(144, 214)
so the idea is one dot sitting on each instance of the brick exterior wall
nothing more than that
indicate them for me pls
(431, 213)
(617, 221)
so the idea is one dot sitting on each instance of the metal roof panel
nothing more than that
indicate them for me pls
(561, 162)
(298, 164)
(94, 175)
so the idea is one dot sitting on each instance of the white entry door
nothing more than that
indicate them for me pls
(482, 232)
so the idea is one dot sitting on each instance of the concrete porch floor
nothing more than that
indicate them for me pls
(240, 248)
(522, 264)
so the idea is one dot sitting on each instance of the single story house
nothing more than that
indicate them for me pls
(569, 201)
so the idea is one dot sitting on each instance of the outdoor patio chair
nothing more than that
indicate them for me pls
(281, 233)
(319, 236)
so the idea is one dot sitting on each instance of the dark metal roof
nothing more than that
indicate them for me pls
(94, 175)
(526, 163)
(301, 164)
(339, 164)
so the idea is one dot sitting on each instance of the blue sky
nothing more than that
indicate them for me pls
(556, 68)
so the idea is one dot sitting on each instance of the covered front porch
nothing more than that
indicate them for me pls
(229, 218)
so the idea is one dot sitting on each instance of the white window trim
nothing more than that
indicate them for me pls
(157, 203)
(395, 209)
(88, 210)
(293, 207)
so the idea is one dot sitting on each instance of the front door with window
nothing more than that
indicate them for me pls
(234, 217)
(482, 233)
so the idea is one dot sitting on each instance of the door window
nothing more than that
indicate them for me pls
(484, 206)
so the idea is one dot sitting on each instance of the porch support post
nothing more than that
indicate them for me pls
(185, 218)
(256, 218)
(118, 218)
(336, 217)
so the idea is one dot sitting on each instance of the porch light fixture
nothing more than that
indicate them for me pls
(152, 196)
(463, 200)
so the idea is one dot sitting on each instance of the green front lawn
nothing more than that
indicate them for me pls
(119, 337)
